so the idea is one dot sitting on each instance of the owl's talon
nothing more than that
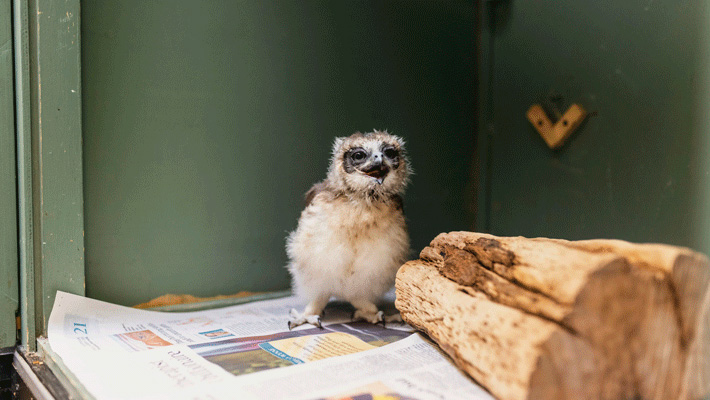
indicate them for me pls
(314, 320)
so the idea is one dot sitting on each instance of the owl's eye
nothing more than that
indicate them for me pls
(358, 155)
(391, 153)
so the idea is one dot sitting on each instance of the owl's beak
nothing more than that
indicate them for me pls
(378, 172)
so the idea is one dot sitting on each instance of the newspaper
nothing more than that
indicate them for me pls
(246, 352)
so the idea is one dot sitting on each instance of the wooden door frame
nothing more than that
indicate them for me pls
(47, 53)
(9, 291)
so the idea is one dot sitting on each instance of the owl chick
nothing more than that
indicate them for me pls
(352, 237)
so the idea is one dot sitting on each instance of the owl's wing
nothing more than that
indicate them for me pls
(398, 202)
(313, 191)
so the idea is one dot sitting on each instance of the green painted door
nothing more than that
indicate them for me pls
(9, 291)
(637, 169)
(204, 123)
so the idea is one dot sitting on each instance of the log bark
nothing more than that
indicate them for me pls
(554, 319)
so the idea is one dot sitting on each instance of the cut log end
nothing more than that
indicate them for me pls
(552, 319)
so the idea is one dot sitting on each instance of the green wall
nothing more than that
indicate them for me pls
(637, 169)
(205, 122)
(700, 129)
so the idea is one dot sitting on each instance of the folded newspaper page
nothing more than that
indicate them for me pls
(246, 352)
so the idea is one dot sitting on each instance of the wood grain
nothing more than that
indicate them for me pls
(553, 319)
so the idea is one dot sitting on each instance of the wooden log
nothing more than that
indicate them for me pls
(553, 319)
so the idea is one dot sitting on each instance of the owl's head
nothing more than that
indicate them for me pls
(372, 163)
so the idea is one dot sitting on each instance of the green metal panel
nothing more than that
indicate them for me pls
(637, 168)
(205, 122)
(55, 111)
(8, 199)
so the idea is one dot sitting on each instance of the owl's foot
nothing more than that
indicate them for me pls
(298, 319)
(370, 316)
(393, 318)
(375, 317)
